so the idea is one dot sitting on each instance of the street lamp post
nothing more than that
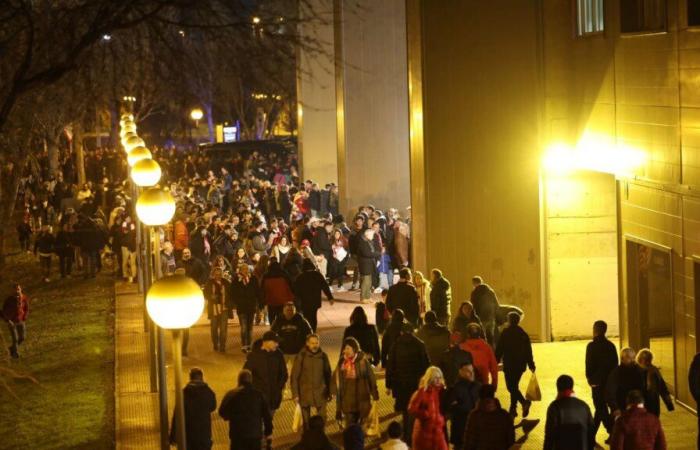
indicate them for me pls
(175, 303)
(196, 114)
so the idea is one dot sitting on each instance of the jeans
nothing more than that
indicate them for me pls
(128, 263)
(513, 384)
(337, 270)
(490, 331)
(219, 326)
(310, 315)
(273, 312)
(602, 413)
(45, 262)
(407, 420)
(65, 263)
(306, 413)
(18, 332)
(365, 287)
(246, 328)
(389, 277)
(89, 261)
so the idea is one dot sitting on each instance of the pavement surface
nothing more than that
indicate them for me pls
(137, 408)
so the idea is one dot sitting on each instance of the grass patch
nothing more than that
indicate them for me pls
(70, 351)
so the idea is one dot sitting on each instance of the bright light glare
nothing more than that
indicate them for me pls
(175, 302)
(196, 114)
(155, 207)
(256, 20)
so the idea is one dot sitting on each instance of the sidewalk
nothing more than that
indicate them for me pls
(137, 408)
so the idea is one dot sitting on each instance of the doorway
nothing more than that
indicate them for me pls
(650, 303)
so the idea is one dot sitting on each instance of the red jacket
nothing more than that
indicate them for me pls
(15, 309)
(182, 236)
(484, 360)
(276, 291)
(428, 429)
(638, 429)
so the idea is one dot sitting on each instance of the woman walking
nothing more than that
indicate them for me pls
(245, 294)
(429, 426)
(354, 384)
(656, 386)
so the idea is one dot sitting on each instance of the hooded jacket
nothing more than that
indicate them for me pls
(200, 402)
(269, 373)
(489, 427)
(311, 378)
(436, 338)
(308, 287)
(484, 360)
(292, 332)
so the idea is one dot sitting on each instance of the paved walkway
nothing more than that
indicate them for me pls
(137, 408)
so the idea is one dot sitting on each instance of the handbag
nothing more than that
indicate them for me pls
(533, 392)
(298, 420)
(373, 421)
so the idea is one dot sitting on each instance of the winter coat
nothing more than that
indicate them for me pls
(450, 362)
(429, 425)
(622, 380)
(515, 349)
(292, 264)
(485, 302)
(489, 427)
(484, 360)
(355, 395)
(216, 295)
(269, 373)
(462, 322)
(656, 391)
(247, 412)
(311, 378)
(245, 296)
(407, 362)
(62, 245)
(441, 297)
(368, 338)
(392, 332)
(366, 256)
(15, 309)
(292, 332)
(195, 269)
(403, 295)
(601, 360)
(277, 288)
(694, 378)
(461, 400)
(321, 243)
(308, 288)
(401, 243)
(44, 244)
(182, 236)
(200, 402)
(436, 338)
(569, 425)
(638, 429)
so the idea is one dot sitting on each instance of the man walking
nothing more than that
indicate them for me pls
(601, 360)
(515, 349)
(15, 310)
(292, 329)
(311, 379)
(367, 256)
(308, 287)
(440, 296)
(462, 400)
(268, 369)
(569, 423)
(637, 428)
(200, 402)
(403, 296)
(247, 413)
(486, 306)
(626, 377)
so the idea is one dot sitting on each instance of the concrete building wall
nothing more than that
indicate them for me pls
(372, 66)
(316, 95)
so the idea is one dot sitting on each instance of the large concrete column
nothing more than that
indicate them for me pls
(316, 94)
(371, 67)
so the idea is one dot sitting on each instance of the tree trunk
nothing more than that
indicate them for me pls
(79, 155)
(210, 121)
(9, 185)
(54, 155)
(114, 125)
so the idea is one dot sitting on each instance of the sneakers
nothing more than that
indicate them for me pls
(331, 288)
(378, 290)
(353, 288)
(341, 289)
(526, 408)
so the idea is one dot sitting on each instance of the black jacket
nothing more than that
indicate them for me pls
(269, 373)
(601, 359)
(694, 378)
(452, 359)
(308, 287)
(245, 297)
(366, 256)
(392, 332)
(195, 269)
(407, 362)
(436, 338)
(485, 302)
(515, 349)
(404, 296)
(292, 333)
(569, 425)
(461, 400)
(622, 380)
(247, 412)
(200, 402)
(441, 297)
(461, 323)
(44, 243)
(321, 243)
(368, 338)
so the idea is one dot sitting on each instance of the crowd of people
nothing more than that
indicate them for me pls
(266, 248)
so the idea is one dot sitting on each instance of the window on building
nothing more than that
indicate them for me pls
(693, 13)
(589, 17)
(642, 16)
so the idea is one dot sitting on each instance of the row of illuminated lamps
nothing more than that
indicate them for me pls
(176, 301)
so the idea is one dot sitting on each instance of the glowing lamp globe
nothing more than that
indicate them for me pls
(129, 127)
(127, 116)
(196, 114)
(133, 142)
(175, 302)
(155, 207)
(127, 136)
(137, 154)
(146, 172)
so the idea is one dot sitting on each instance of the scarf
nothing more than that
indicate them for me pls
(349, 368)
(566, 393)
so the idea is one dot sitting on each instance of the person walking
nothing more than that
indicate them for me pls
(601, 360)
(392, 333)
(403, 296)
(435, 336)
(569, 423)
(44, 246)
(200, 402)
(63, 247)
(311, 379)
(440, 296)
(484, 357)
(308, 288)
(355, 385)
(637, 429)
(269, 370)
(429, 426)
(465, 316)
(367, 256)
(423, 288)
(216, 293)
(15, 310)
(462, 399)
(626, 377)
(292, 329)
(408, 360)
(515, 349)
(656, 388)
(365, 333)
(245, 294)
(489, 427)
(314, 436)
(277, 290)
(694, 387)
(248, 414)
(452, 360)
(486, 307)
